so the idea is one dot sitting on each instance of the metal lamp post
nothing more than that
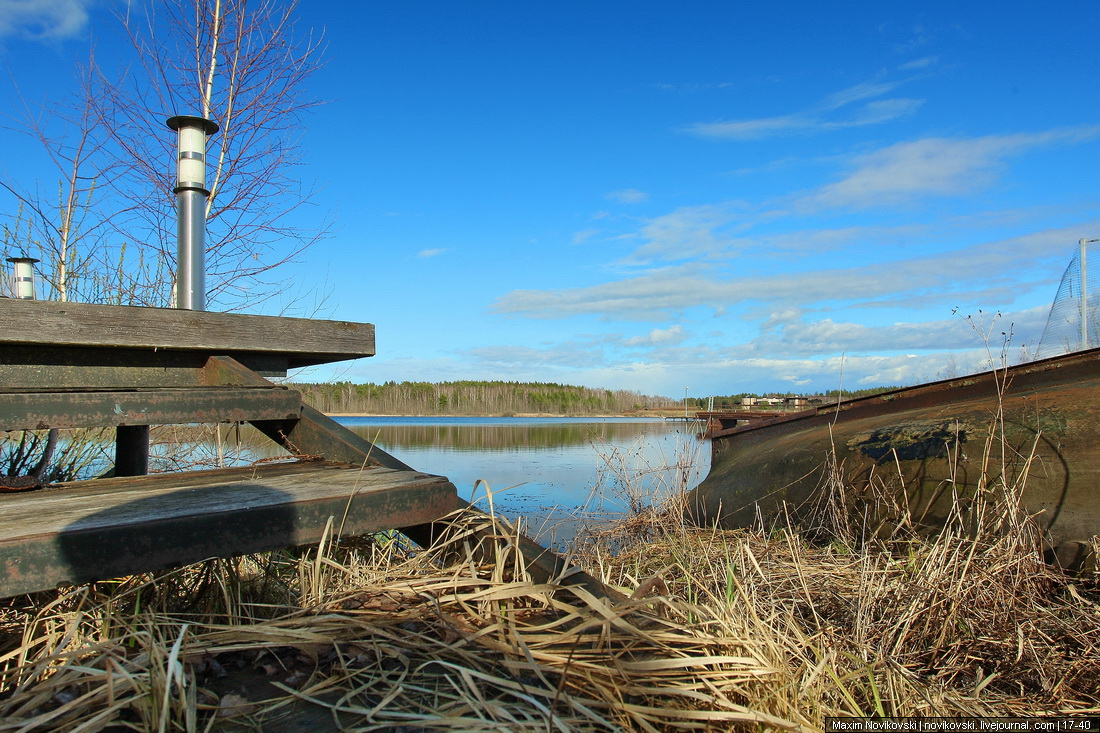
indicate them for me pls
(132, 441)
(191, 196)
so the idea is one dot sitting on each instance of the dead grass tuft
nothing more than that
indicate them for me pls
(390, 639)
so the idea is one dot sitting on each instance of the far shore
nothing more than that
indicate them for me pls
(659, 412)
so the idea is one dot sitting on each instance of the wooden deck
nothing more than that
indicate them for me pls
(74, 365)
(77, 365)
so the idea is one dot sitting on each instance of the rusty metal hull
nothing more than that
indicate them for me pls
(1036, 424)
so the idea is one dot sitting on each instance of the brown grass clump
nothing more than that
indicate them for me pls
(967, 621)
(945, 628)
(383, 639)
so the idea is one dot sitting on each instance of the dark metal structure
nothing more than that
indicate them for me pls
(1034, 425)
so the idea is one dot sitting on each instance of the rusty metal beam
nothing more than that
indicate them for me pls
(925, 448)
(316, 434)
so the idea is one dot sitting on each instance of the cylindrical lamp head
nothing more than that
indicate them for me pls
(191, 151)
(23, 277)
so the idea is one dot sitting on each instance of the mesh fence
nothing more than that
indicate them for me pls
(1077, 296)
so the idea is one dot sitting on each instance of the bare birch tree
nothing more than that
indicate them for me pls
(111, 226)
(108, 233)
(245, 66)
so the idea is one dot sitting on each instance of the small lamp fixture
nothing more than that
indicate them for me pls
(23, 277)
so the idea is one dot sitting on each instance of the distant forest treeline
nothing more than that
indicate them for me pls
(473, 398)
(508, 398)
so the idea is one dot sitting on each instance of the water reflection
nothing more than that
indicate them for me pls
(546, 467)
(497, 434)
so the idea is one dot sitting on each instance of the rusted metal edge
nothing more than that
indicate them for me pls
(1076, 367)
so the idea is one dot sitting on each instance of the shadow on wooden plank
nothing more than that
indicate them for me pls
(107, 528)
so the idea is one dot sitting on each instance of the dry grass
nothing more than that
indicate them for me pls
(861, 610)
(771, 628)
(388, 639)
(941, 627)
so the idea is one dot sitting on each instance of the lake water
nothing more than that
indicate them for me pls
(552, 472)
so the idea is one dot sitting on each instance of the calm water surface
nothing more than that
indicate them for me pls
(536, 467)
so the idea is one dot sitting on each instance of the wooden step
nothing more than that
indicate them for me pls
(106, 528)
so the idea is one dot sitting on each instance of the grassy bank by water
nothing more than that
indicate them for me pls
(770, 628)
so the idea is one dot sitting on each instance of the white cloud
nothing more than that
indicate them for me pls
(820, 117)
(825, 336)
(43, 19)
(628, 196)
(921, 63)
(933, 167)
(752, 129)
(882, 110)
(584, 235)
(807, 241)
(686, 233)
(425, 253)
(970, 272)
(691, 88)
(709, 370)
(659, 337)
(857, 93)
(570, 354)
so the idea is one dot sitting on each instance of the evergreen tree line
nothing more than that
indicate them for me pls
(474, 398)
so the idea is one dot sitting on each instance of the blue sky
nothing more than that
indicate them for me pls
(715, 195)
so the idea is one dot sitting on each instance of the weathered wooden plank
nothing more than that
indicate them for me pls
(30, 368)
(111, 527)
(302, 341)
(59, 409)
